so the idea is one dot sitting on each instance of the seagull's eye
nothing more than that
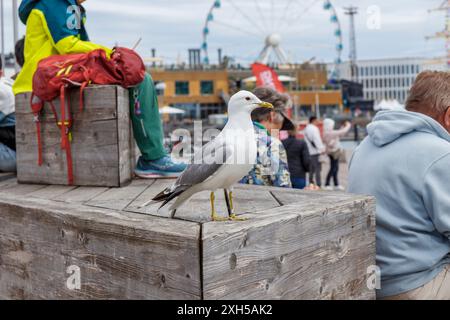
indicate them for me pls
(248, 99)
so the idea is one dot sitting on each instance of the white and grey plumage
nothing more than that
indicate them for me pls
(225, 160)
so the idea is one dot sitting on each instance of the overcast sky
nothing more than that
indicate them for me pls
(173, 26)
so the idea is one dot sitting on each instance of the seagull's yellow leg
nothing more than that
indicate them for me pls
(233, 216)
(214, 216)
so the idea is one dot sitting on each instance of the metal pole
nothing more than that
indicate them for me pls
(352, 12)
(2, 26)
(15, 30)
(154, 58)
(317, 106)
(219, 51)
(198, 111)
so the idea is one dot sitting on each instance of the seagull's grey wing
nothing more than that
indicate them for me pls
(215, 155)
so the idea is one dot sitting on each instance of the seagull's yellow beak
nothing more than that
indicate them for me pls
(265, 105)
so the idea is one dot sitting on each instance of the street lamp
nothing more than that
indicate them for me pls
(15, 29)
(2, 26)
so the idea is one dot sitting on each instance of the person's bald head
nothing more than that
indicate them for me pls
(430, 95)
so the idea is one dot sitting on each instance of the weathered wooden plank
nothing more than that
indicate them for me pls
(119, 199)
(245, 201)
(94, 150)
(81, 195)
(125, 137)
(119, 255)
(21, 189)
(51, 192)
(292, 255)
(93, 108)
(137, 205)
(103, 133)
(198, 208)
(7, 181)
(99, 132)
(311, 197)
(289, 196)
(6, 176)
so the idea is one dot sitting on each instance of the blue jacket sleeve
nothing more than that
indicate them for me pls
(436, 194)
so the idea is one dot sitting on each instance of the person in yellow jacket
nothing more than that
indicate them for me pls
(53, 27)
(57, 27)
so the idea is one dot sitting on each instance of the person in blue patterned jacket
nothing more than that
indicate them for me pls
(271, 168)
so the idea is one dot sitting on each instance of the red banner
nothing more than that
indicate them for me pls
(267, 77)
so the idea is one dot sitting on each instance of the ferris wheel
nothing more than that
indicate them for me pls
(268, 22)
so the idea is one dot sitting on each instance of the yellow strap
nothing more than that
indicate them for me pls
(68, 70)
(60, 72)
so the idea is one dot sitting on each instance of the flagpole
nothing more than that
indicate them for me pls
(16, 29)
(2, 33)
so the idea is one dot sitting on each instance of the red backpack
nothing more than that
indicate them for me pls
(56, 74)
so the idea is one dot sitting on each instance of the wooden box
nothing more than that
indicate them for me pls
(295, 245)
(102, 143)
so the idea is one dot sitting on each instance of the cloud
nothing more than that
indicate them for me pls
(132, 9)
(173, 26)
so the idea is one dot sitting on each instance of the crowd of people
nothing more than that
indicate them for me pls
(288, 163)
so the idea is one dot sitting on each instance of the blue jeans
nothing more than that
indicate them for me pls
(298, 183)
(334, 172)
(7, 159)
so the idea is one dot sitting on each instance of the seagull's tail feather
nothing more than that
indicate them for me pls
(168, 195)
(162, 195)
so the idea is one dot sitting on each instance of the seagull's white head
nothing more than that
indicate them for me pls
(245, 101)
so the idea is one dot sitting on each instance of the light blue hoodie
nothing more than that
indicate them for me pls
(405, 164)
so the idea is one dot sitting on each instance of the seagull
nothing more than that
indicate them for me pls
(223, 162)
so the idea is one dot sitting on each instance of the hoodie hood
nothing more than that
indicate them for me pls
(328, 125)
(26, 6)
(388, 126)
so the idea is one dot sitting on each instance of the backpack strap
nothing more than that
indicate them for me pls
(65, 125)
(36, 106)
(82, 87)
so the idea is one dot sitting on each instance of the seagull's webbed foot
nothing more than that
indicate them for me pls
(216, 218)
(230, 205)
(233, 217)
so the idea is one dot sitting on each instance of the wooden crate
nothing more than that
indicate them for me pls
(102, 144)
(295, 245)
